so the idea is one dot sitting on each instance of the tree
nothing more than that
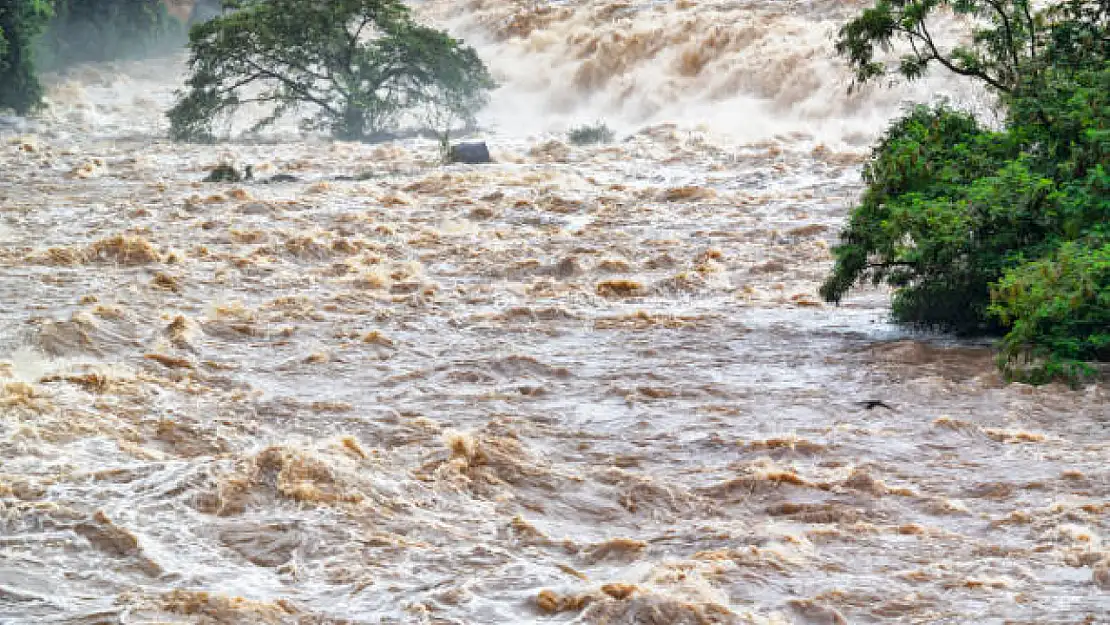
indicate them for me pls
(916, 228)
(358, 65)
(20, 22)
(992, 230)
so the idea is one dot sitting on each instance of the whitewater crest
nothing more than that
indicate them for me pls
(749, 70)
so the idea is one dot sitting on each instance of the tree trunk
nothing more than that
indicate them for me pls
(352, 127)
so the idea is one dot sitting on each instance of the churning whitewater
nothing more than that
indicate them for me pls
(582, 384)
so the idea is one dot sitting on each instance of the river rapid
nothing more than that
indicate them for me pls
(582, 384)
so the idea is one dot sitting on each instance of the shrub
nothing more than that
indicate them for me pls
(1058, 310)
(590, 134)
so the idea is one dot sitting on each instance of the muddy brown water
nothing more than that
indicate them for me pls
(583, 384)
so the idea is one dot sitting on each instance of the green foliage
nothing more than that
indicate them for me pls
(998, 52)
(590, 134)
(20, 22)
(993, 230)
(357, 64)
(1058, 309)
(101, 30)
(922, 226)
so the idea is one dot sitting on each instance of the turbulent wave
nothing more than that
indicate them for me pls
(748, 68)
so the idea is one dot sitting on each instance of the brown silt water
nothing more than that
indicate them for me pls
(582, 384)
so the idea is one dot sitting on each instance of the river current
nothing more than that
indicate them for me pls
(583, 384)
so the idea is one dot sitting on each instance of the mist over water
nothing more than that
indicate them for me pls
(582, 384)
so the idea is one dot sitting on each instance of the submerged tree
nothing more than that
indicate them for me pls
(357, 64)
(987, 230)
(20, 23)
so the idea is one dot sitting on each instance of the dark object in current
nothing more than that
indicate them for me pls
(282, 178)
(472, 153)
(870, 404)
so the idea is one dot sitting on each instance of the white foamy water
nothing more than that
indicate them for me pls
(582, 384)
(745, 70)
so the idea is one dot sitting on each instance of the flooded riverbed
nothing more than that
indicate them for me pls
(582, 384)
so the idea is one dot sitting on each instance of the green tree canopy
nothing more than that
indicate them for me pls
(20, 23)
(356, 64)
(988, 230)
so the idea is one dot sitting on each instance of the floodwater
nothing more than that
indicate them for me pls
(583, 384)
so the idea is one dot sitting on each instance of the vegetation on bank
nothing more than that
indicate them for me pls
(992, 230)
(21, 21)
(358, 67)
(46, 35)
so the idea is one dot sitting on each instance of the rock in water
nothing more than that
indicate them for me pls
(282, 178)
(472, 153)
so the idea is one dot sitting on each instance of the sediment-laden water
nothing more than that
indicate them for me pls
(583, 384)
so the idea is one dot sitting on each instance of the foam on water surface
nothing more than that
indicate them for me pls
(590, 384)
